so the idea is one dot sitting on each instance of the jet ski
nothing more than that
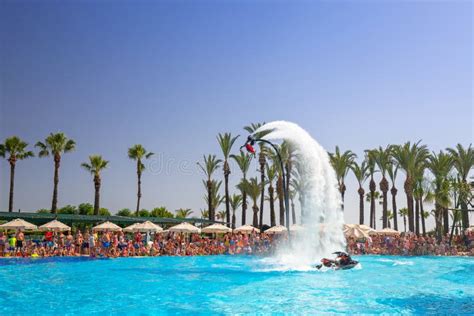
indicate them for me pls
(342, 262)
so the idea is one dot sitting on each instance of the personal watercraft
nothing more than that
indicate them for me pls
(342, 262)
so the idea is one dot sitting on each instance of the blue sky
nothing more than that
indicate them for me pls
(171, 75)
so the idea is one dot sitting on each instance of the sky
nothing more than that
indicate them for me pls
(171, 75)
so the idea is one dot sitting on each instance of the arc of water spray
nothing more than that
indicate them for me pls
(323, 217)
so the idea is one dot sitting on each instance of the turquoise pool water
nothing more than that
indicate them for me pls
(230, 285)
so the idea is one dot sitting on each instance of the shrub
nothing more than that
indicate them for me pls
(161, 212)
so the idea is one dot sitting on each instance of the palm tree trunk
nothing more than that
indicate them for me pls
(361, 205)
(255, 215)
(411, 215)
(288, 177)
(404, 223)
(12, 185)
(301, 199)
(417, 216)
(97, 195)
(262, 183)
(394, 206)
(342, 190)
(293, 210)
(272, 205)
(438, 219)
(445, 221)
(422, 212)
(226, 184)
(372, 187)
(384, 210)
(384, 189)
(209, 200)
(409, 192)
(464, 213)
(281, 200)
(57, 163)
(233, 219)
(244, 207)
(139, 193)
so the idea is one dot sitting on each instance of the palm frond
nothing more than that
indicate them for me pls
(341, 162)
(226, 141)
(243, 161)
(211, 164)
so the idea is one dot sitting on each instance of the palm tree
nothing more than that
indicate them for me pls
(252, 128)
(392, 171)
(424, 191)
(361, 174)
(211, 163)
(383, 161)
(204, 214)
(375, 197)
(138, 153)
(390, 216)
(463, 160)
(296, 184)
(455, 217)
(55, 145)
(221, 215)
(183, 212)
(214, 199)
(287, 153)
(243, 161)
(342, 164)
(418, 194)
(235, 202)
(424, 216)
(404, 213)
(226, 141)
(409, 156)
(271, 174)
(440, 165)
(300, 184)
(95, 166)
(253, 190)
(291, 196)
(284, 155)
(460, 192)
(16, 150)
(372, 186)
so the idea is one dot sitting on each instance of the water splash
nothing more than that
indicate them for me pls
(322, 216)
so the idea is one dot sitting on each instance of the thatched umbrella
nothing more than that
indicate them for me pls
(129, 229)
(147, 227)
(386, 232)
(365, 227)
(216, 229)
(278, 229)
(355, 231)
(107, 226)
(18, 224)
(246, 229)
(184, 228)
(55, 225)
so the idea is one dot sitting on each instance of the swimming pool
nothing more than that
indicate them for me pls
(231, 284)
